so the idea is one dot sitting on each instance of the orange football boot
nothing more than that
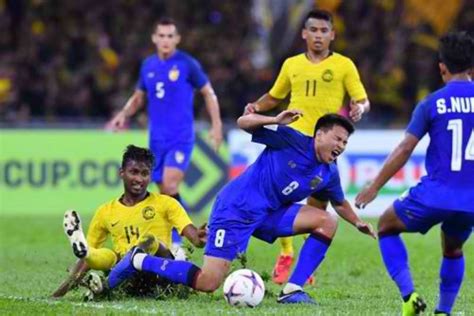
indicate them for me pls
(282, 268)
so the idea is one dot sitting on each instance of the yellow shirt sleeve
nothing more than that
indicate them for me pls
(177, 216)
(97, 233)
(282, 85)
(352, 82)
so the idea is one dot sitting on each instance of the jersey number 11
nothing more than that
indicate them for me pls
(311, 88)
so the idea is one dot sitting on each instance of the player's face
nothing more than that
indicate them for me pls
(166, 38)
(318, 35)
(136, 177)
(331, 143)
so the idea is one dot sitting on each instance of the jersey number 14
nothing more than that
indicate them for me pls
(455, 126)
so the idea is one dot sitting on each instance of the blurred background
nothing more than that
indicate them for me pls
(69, 65)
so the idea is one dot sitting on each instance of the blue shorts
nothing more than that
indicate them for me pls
(176, 155)
(230, 229)
(420, 218)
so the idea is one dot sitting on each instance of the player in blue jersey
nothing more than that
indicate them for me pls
(261, 202)
(167, 81)
(446, 194)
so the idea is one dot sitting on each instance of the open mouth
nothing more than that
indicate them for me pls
(335, 153)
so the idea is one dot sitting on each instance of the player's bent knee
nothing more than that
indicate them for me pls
(208, 282)
(327, 226)
(389, 223)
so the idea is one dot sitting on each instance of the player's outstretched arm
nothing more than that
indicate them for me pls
(134, 103)
(358, 108)
(265, 103)
(394, 162)
(197, 236)
(212, 107)
(76, 274)
(251, 122)
(346, 211)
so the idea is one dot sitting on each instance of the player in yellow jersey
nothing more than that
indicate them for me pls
(138, 217)
(317, 82)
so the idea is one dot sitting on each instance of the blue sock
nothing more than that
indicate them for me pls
(182, 272)
(311, 254)
(175, 237)
(395, 257)
(451, 275)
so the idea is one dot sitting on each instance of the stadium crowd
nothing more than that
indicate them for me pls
(79, 60)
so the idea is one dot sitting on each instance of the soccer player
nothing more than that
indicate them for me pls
(167, 80)
(137, 217)
(262, 202)
(446, 194)
(317, 81)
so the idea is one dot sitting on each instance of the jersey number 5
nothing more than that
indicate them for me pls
(456, 155)
(159, 90)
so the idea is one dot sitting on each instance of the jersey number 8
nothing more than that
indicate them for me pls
(219, 241)
(290, 188)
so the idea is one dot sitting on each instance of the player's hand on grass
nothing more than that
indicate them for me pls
(202, 233)
(366, 228)
(76, 274)
(367, 195)
(118, 121)
(250, 108)
(288, 116)
(215, 135)
(356, 110)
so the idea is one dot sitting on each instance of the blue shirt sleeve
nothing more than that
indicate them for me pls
(276, 136)
(332, 191)
(420, 120)
(141, 80)
(197, 77)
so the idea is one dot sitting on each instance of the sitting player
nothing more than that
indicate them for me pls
(261, 202)
(138, 217)
(446, 194)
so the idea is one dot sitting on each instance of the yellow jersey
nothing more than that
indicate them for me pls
(317, 89)
(156, 215)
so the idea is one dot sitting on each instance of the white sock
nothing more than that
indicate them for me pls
(291, 287)
(138, 260)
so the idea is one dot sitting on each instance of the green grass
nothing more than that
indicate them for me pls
(351, 281)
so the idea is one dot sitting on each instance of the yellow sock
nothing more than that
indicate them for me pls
(101, 259)
(286, 246)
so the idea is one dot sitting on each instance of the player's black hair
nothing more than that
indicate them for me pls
(320, 15)
(137, 154)
(327, 121)
(456, 51)
(166, 21)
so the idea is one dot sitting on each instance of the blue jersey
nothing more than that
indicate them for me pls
(447, 115)
(287, 171)
(169, 85)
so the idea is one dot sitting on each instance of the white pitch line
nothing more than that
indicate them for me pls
(117, 307)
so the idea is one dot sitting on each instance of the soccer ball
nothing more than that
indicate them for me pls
(244, 287)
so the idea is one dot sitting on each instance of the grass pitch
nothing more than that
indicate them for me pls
(351, 281)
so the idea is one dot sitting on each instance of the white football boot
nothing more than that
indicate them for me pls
(73, 230)
(94, 285)
(178, 252)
